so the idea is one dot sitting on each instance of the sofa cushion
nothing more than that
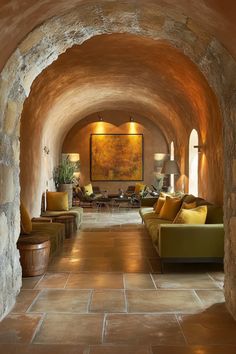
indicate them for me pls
(191, 216)
(76, 211)
(189, 205)
(189, 198)
(26, 224)
(159, 204)
(170, 208)
(139, 187)
(88, 189)
(57, 201)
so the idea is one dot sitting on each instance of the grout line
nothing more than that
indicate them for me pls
(104, 327)
(154, 282)
(34, 301)
(34, 288)
(90, 299)
(66, 282)
(38, 327)
(215, 282)
(198, 298)
(181, 329)
(126, 302)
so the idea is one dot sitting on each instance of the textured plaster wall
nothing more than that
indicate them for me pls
(163, 85)
(115, 122)
(18, 17)
(44, 45)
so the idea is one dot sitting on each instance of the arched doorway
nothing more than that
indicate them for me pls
(17, 84)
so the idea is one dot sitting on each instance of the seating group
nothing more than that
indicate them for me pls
(184, 228)
(41, 237)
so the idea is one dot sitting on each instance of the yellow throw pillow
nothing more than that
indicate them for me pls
(57, 201)
(88, 189)
(170, 208)
(159, 204)
(191, 216)
(26, 224)
(189, 205)
(139, 187)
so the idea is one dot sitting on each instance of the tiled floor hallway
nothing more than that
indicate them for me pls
(104, 294)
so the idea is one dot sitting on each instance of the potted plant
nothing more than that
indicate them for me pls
(63, 176)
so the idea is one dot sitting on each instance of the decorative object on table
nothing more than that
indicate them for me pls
(63, 176)
(121, 193)
(116, 157)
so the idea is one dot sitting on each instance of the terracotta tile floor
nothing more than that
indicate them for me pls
(104, 294)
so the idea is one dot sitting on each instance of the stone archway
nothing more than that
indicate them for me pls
(42, 47)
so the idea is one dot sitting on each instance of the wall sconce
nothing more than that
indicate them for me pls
(199, 147)
(46, 150)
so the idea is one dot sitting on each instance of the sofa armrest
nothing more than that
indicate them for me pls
(191, 241)
(148, 202)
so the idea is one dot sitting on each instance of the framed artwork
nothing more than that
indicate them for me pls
(116, 157)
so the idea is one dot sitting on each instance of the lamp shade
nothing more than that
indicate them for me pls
(170, 167)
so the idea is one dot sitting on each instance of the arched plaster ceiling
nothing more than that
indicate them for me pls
(123, 72)
(18, 18)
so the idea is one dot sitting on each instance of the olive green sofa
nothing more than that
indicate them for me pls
(186, 242)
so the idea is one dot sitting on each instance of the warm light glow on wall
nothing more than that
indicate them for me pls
(74, 157)
(99, 128)
(133, 128)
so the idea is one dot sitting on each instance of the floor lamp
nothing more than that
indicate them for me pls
(170, 167)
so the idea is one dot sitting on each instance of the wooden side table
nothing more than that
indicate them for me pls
(34, 255)
(68, 221)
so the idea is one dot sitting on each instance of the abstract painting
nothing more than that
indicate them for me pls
(116, 157)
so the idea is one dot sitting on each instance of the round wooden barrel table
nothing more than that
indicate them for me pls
(68, 221)
(34, 255)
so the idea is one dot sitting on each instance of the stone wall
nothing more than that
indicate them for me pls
(51, 39)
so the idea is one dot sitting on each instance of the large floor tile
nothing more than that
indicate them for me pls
(75, 301)
(70, 329)
(65, 264)
(184, 281)
(138, 281)
(143, 329)
(30, 283)
(194, 350)
(18, 328)
(118, 349)
(95, 281)
(42, 349)
(210, 297)
(100, 264)
(24, 300)
(108, 301)
(183, 301)
(131, 264)
(214, 326)
(52, 280)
